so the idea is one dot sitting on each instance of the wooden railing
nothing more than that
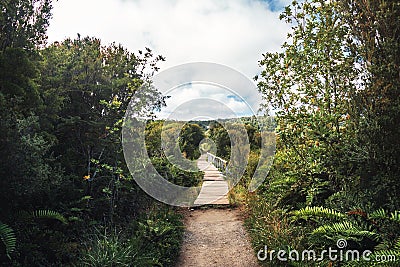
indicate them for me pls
(217, 161)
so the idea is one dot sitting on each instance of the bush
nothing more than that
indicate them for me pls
(175, 174)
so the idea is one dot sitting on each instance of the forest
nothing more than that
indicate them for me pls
(67, 197)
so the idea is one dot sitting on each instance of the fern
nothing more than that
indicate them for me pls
(378, 214)
(346, 229)
(397, 245)
(352, 228)
(382, 215)
(395, 216)
(49, 214)
(316, 189)
(321, 212)
(7, 235)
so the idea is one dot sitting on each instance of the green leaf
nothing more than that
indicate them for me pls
(8, 238)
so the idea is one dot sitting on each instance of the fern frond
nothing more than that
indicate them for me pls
(382, 215)
(395, 216)
(49, 214)
(321, 212)
(397, 245)
(378, 214)
(7, 235)
(310, 197)
(345, 229)
(317, 188)
(382, 246)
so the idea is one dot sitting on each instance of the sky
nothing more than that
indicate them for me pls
(234, 33)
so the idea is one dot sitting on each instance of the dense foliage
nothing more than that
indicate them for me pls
(334, 90)
(66, 196)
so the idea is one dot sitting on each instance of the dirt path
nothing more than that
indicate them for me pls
(216, 237)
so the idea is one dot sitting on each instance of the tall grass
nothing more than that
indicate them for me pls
(153, 240)
(272, 227)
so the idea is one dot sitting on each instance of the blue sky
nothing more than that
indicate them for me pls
(234, 33)
(277, 5)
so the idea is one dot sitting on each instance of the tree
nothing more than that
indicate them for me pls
(62, 108)
(310, 85)
(334, 90)
(153, 139)
(221, 138)
(375, 31)
(24, 23)
(25, 145)
(189, 140)
(94, 84)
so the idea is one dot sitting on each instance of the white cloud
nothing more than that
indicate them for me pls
(230, 32)
(204, 101)
(234, 33)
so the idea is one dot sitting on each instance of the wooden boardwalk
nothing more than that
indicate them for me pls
(215, 188)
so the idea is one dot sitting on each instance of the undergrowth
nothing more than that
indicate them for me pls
(153, 240)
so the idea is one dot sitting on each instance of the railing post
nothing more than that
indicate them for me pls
(217, 161)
